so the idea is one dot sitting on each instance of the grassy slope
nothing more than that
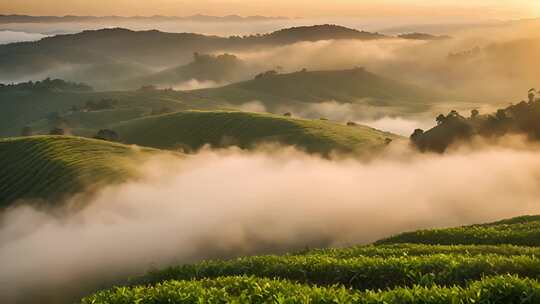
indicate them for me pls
(193, 129)
(50, 167)
(18, 109)
(342, 85)
(389, 273)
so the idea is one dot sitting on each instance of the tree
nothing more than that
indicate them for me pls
(351, 124)
(57, 131)
(106, 134)
(440, 119)
(417, 135)
(453, 113)
(501, 114)
(532, 95)
(288, 114)
(474, 113)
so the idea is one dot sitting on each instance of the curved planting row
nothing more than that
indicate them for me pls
(360, 272)
(495, 290)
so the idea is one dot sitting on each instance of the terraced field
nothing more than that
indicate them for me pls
(50, 167)
(390, 273)
(194, 129)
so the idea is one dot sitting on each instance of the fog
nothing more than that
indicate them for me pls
(13, 36)
(194, 84)
(229, 202)
(500, 70)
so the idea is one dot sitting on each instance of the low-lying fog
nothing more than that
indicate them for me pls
(228, 203)
(7, 36)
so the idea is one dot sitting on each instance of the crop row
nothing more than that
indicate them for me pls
(397, 250)
(526, 233)
(494, 290)
(359, 273)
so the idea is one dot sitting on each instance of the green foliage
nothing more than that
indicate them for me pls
(317, 86)
(193, 129)
(496, 290)
(362, 272)
(524, 231)
(521, 118)
(51, 167)
(48, 84)
(409, 250)
(396, 273)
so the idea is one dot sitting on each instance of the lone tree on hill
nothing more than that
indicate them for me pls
(475, 113)
(106, 134)
(57, 131)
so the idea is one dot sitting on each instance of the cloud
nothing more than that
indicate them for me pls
(194, 84)
(12, 36)
(230, 202)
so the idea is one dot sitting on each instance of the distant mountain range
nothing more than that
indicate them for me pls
(151, 49)
(198, 18)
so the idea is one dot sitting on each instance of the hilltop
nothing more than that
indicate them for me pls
(521, 118)
(194, 129)
(148, 48)
(277, 92)
(353, 86)
(214, 68)
(52, 167)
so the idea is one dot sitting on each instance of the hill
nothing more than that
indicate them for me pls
(218, 69)
(353, 86)
(42, 110)
(193, 129)
(52, 167)
(381, 273)
(522, 118)
(277, 92)
(149, 48)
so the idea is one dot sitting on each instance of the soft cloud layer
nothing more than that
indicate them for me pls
(12, 36)
(226, 203)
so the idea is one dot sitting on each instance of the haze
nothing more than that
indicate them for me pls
(419, 9)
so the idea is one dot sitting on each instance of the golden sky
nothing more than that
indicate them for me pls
(428, 9)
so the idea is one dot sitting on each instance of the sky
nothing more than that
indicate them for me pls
(425, 9)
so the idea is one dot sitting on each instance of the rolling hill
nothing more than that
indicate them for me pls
(194, 129)
(386, 272)
(353, 86)
(52, 167)
(521, 118)
(278, 93)
(153, 48)
(218, 69)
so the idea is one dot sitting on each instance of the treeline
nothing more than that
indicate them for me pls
(48, 84)
(521, 118)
